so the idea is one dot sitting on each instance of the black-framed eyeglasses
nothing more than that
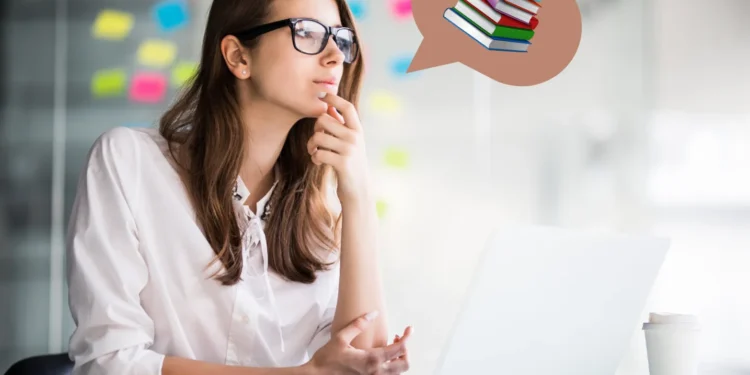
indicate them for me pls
(310, 36)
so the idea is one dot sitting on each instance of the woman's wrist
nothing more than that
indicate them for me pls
(358, 201)
(307, 369)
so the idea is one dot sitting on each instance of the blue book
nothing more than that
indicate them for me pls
(491, 43)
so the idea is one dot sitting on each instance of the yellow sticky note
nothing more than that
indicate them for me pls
(157, 53)
(396, 158)
(112, 25)
(384, 102)
(108, 83)
(183, 72)
(381, 208)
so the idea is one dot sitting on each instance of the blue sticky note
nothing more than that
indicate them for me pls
(358, 8)
(400, 65)
(171, 14)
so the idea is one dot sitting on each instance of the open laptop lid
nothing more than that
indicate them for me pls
(548, 301)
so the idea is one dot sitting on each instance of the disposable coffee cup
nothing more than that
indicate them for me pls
(672, 344)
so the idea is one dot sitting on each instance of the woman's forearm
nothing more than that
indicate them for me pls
(183, 366)
(360, 285)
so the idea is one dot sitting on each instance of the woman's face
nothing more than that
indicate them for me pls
(291, 79)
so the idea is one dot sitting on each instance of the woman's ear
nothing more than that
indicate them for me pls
(236, 57)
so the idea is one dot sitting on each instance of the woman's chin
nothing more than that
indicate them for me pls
(317, 109)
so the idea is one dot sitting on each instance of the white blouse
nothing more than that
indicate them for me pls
(139, 288)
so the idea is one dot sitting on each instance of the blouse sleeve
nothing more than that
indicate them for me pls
(105, 269)
(323, 332)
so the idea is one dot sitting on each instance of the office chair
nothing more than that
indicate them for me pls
(48, 364)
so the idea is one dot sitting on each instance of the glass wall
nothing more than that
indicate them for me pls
(642, 132)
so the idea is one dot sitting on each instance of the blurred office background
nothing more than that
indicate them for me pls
(647, 130)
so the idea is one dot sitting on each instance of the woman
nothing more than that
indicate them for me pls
(212, 245)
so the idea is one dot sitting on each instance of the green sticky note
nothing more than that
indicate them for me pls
(396, 158)
(108, 83)
(381, 208)
(183, 72)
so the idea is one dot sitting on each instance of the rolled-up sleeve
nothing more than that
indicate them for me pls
(105, 269)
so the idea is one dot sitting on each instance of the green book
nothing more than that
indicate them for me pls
(488, 27)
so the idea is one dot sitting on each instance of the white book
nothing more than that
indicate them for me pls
(527, 5)
(519, 14)
(495, 44)
(475, 16)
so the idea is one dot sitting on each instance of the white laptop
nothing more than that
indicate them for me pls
(551, 301)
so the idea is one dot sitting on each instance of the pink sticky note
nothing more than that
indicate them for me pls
(400, 8)
(148, 88)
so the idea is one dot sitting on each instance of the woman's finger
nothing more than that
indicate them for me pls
(347, 110)
(328, 142)
(326, 157)
(391, 352)
(335, 114)
(396, 367)
(407, 332)
(329, 124)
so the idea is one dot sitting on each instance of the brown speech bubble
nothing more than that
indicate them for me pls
(553, 45)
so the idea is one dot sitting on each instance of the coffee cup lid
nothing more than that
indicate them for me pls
(667, 318)
(664, 320)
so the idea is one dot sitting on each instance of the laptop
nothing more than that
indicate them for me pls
(553, 301)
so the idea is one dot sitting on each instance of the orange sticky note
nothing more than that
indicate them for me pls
(148, 88)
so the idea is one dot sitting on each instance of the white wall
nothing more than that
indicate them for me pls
(703, 55)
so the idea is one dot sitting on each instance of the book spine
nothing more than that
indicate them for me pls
(504, 8)
(504, 20)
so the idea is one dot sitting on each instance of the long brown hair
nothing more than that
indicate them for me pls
(205, 120)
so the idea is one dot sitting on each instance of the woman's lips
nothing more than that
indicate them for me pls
(327, 85)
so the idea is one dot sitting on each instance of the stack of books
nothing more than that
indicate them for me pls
(498, 25)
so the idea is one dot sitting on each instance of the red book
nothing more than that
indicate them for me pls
(498, 18)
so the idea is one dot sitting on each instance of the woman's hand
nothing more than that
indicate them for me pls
(338, 357)
(338, 141)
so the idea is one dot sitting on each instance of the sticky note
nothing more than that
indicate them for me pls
(381, 207)
(400, 64)
(112, 25)
(148, 88)
(385, 103)
(400, 9)
(358, 8)
(156, 53)
(171, 15)
(396, 158)
(183, 72)
(108, 83)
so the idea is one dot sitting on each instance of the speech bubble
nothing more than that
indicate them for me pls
(553, 45)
